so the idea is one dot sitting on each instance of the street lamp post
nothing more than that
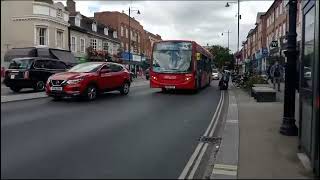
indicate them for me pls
(138, 12)
(239, 17)
(288, 126)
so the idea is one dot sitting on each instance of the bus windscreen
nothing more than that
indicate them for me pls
(172, 57)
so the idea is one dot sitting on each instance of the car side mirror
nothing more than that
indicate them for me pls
(105, 71)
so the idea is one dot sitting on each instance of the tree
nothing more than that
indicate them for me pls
(221, 56)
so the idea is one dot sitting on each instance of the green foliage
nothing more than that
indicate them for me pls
(222, 57)
(254, 79)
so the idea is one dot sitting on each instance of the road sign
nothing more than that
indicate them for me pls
(274, 44)
(264, 51)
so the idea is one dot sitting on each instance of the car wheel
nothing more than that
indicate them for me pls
(125, 88)
(91, 93)
(40, 85)
(15, 89)
(164, 90)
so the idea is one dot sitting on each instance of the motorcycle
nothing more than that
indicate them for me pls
(224, 82)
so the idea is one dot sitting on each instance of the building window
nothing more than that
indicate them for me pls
(105, 46)
(93, 43)
(73, 44)
(122, 45)
(138, 38)
(126, 33)
(127, 47)
(42, 36)
(115, 34)
(284, 28)
(77, 21)
(82, 45)
(59, 39)
(94, 27)
(121, 31)
(106, 31)
(99, 44)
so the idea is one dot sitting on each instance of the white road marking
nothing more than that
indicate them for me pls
(203, 150)
(232, 121)
(225, 169)
(196, 152)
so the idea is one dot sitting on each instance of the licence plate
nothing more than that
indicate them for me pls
(12, 76)
(170, 87)
(56, 88)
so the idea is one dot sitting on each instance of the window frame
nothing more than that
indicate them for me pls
(75, 44)
(37, 35)
(84, 45)
(62, 38)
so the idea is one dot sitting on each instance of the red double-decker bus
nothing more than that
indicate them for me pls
(180, 64)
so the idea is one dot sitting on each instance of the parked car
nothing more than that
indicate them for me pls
(88, 80)
(215, 74)
(147, 74)
(31, 72)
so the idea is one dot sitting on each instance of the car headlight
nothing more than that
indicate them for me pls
(74, 81)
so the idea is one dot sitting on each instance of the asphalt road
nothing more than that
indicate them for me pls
(146, 134)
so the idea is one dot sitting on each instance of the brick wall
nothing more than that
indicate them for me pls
(117, 20)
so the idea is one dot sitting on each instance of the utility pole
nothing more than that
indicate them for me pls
(129, 40)
(238, 33)
(288, 126)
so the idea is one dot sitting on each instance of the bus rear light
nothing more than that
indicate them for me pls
(26, 75)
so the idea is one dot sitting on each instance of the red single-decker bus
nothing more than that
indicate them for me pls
(177, 64)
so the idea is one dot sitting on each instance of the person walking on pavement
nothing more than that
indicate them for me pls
(269, 74)
(276, 72)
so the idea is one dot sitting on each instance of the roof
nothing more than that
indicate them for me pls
(86, 27)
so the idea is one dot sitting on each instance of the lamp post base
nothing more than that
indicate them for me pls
(288, 127)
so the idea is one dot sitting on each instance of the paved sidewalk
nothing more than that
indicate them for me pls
(263, 151)
(226, 163)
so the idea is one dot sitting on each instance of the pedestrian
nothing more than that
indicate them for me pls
(269, 74)
(276, 73)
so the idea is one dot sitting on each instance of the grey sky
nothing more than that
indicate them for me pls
(202, 21)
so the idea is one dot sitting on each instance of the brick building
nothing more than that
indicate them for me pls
(266, 42)
(149, 39)
(120, 22)
(87, 32)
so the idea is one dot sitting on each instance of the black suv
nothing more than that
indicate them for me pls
(31, 72)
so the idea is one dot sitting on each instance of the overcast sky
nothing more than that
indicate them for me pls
(201, 21)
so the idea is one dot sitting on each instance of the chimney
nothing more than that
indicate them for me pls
(71, 6)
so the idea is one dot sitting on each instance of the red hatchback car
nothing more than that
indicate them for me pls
(89, 79)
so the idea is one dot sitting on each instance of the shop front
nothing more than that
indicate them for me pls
(309, 85)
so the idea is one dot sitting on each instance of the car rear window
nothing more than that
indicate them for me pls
(20, 63)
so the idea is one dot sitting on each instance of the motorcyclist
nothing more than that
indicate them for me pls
(224, 80)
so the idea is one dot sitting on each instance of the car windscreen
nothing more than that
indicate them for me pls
(172, 57)
(85, 67)
(20, 63)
